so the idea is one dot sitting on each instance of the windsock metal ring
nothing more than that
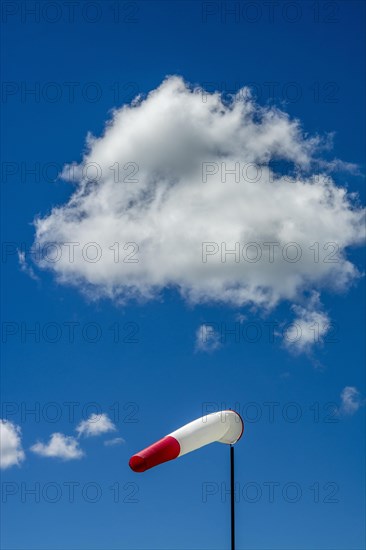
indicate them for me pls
(223, 426)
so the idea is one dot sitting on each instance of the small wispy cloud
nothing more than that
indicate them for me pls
(207, 338)
(96, 424)
(337, 165)
(25, 267)
(11, 450)
(309, 327)
(351, 401)
(59, 446)
(114, 442)
(240, 318)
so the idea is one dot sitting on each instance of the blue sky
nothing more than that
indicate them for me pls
(153, 385)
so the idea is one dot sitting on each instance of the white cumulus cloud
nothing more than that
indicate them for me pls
(11, 450)
(59, 446)
(96, 424)
(152, 190)
(351, 400)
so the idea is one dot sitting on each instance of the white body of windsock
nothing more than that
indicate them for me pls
(223, 427)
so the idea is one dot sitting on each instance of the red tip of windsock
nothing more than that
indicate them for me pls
(163, 450)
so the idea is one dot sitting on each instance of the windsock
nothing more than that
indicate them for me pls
(224, 427)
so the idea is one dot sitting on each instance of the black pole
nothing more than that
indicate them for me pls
(232, 497)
